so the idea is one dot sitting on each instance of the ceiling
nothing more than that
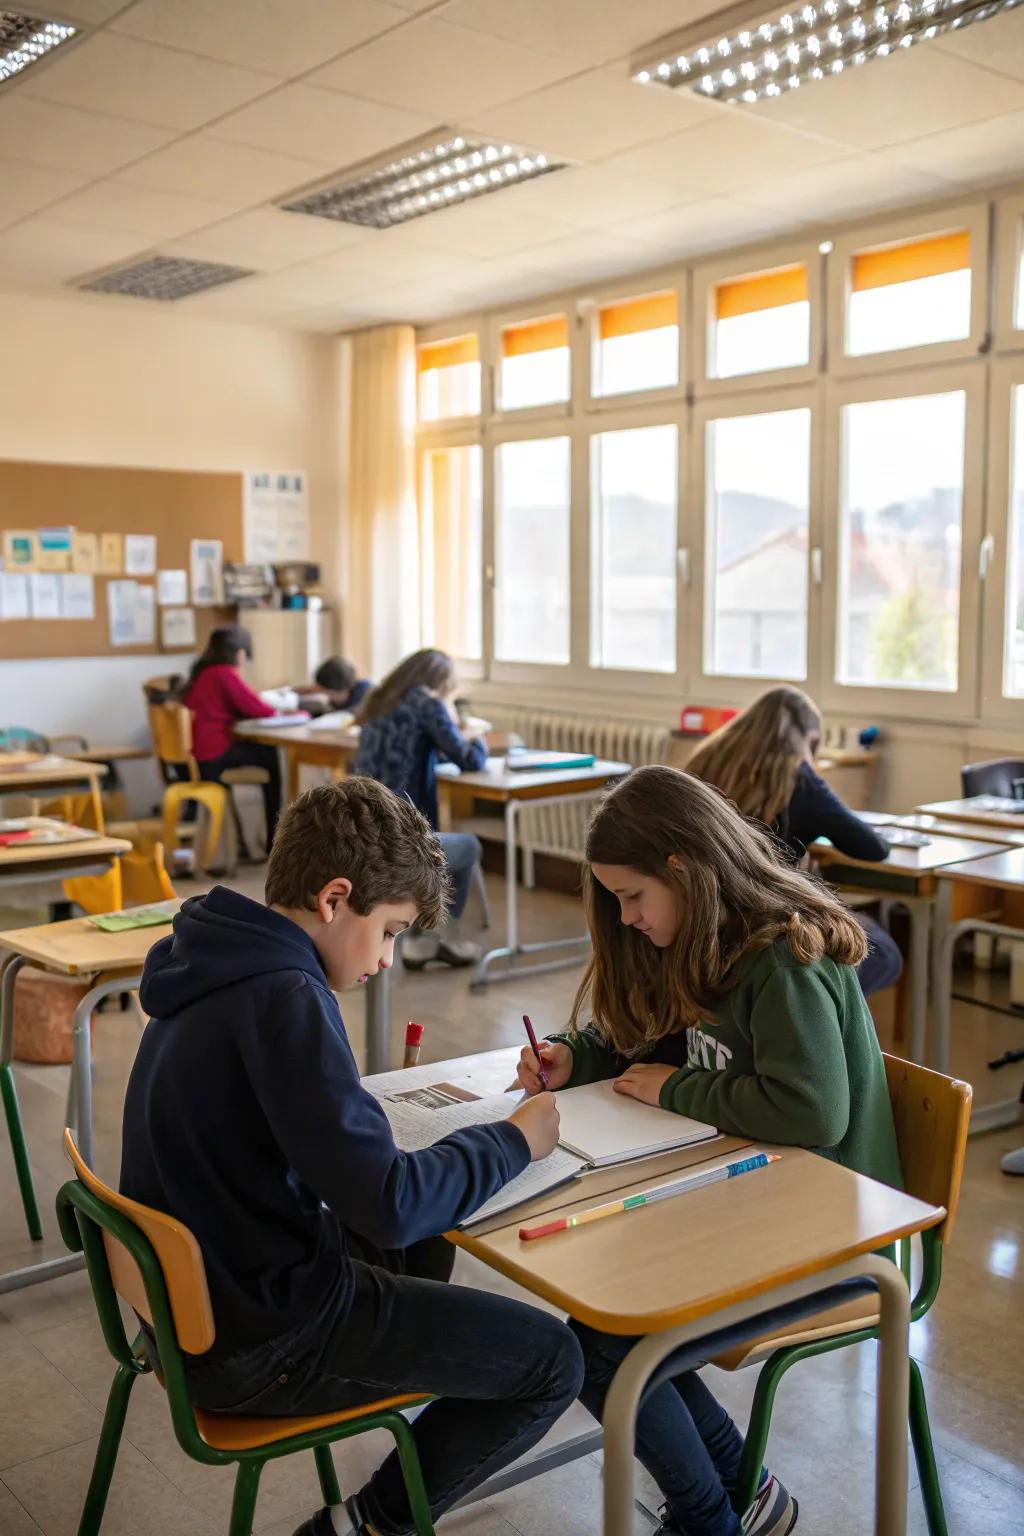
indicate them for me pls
(175, 124)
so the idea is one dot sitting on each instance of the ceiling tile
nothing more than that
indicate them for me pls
(594, 115)
(325, 125)
(846, 189)
(117, 75)
(268, 239)
(281, 37)
(65, 138)
(723, 155)
(26, 188)
(593, 31)
(996, 44)
(60, 252)
(587, 196)
(234, 174)
(387, 259)
(708, 224)
(441, 70)
(491, 226)
(988, 151)
(888, 100)
(93, 12)
(582, 257)
(143, 211)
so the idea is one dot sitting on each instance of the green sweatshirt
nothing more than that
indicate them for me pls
(791, 1056)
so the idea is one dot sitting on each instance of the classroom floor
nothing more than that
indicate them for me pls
(54, 1369)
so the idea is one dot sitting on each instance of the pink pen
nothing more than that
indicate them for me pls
(541, 1068)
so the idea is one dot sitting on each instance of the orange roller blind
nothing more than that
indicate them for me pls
(535, 336)
(765, 290)
(448, 354)
(652, 313)
(905, 263)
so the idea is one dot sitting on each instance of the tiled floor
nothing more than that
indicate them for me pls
(54, 1369)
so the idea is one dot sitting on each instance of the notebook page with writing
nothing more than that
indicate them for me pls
(605, 1127)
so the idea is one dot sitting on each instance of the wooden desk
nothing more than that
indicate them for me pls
(31, 865)
(511, 789)
(973, 831)
(105, 754)
(909, 876)
(334, 749)
(806, 1224)
(31, 773)
(969, 811)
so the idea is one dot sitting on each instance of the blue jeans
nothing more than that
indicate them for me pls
(463, 852)
(883, 964)
(502, 1371)
(684, 1437)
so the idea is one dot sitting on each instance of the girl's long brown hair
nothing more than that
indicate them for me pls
(735, 894)
(423, 669)
(755, 758)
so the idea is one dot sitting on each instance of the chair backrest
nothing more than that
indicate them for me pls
(932, 1114)
(144, 875)
(177, 1252)
(170, 726)
(1000, 776)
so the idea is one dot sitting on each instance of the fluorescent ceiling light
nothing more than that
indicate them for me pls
(423, 177)
(24, 40)
(164, 277)
(756, 52)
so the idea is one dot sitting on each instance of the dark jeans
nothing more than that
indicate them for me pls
(502, 1372)
(251, 754)
(883, 964)
(684, 1438)
(463, 852)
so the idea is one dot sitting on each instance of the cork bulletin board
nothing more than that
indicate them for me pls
(174, 506)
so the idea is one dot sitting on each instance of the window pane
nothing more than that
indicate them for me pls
(912, 314)
(1013, 673)
(1019, 321)
(451, 529)
(446, 392)
(535, 363)
(758, 480)
(901, 511)
(633, 543)
(531, 611)
(768, 338)
(636, 345)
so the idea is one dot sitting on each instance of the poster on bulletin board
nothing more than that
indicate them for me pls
(275, 516)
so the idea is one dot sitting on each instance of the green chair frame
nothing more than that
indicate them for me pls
(83, 1218)
(19, 1151)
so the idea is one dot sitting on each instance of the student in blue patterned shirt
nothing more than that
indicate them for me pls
(408, 724)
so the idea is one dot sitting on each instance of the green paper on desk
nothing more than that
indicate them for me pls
(139, 917)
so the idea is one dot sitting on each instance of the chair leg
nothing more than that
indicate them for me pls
(329, 1485)
(924, 1453)
(243, 1505)
(19, 1151)
(412, 1474)
(106, 1451)
(481, 888)
(756, 1441)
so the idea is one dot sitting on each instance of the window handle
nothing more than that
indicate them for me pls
(683, 564)
(489, 575)
(986, 550)
(816, 566)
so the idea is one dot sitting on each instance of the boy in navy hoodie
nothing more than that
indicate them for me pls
(245, 1119)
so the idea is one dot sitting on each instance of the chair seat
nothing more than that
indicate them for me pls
(245, 776)
(230, 1432)
(862, 1312)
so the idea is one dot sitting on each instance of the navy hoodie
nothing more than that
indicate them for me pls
(245, 1118)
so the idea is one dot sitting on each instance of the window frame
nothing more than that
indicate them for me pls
(523, 314)
(470, 668)
(444, 330)
(1009, 251)
(1007, 375)
(972, 217)
(588, 312)
(907, 703)
(730, 687)
(710, 275)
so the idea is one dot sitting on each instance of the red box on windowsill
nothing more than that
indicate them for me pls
(702, 719)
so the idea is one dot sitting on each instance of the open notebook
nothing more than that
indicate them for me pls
(598, 1128)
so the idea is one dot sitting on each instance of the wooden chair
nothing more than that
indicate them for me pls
(932, 1114)
(154, 1263)
(170, 726)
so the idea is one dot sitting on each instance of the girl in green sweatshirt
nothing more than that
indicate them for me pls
(722, 986)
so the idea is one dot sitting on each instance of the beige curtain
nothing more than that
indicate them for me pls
(383, 607)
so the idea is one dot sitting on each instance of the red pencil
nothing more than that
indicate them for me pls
(541, 1068)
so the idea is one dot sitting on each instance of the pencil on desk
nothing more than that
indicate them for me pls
(651, 1196)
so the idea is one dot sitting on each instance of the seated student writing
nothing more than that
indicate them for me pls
(407, 723)
(722, 986)
(217, 697)
(763, 759)
(245, 1119)
(337, 680)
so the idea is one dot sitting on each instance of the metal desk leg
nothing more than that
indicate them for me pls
(920, 910)
(19, 1149)
(79, 1107)
(378, 1022)
(639, 1365)
(942, 976)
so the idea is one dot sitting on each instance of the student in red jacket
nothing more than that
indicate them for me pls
(217, 697)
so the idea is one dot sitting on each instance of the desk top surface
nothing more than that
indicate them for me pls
(973, 831)
(936, 854)
(25, 770)
(499, 782)
(78, 948)
(343, 739)
(84, 850)
(109, 754)
(969, 810)
(1004, 868)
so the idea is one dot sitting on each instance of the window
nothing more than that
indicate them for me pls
(449, 378)
(633, 549)
(636, 345)
(759, 323)
(535, 363)
(451, 533)
(1019, 314)
(910, 295)
(758, 496)
(901, 512)
(532, 498)
(1013, 659)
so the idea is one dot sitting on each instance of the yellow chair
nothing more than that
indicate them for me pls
(154, 1263)
(138, 877)
(170, 726)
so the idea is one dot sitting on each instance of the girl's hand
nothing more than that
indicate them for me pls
(557, 1060)
(644, 1081)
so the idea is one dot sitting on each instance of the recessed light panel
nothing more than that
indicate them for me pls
(25, 39)
(165, 277)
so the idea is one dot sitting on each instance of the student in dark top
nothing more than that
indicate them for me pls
(245, 1119)
(763, 760)
(217, 696)
(408, 724)
(339, 679)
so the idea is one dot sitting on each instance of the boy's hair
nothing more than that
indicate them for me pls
(337, 674)
(755, 758)
(358, 830)
(734, 892)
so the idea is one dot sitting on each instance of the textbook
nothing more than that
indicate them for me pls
(523, 760)
(599, 1128)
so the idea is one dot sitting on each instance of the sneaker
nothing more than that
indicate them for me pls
(334, 1521)
(419, 952)
(773, 1512)
(1013, 1162)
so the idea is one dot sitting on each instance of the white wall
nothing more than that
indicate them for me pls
(117, 383)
